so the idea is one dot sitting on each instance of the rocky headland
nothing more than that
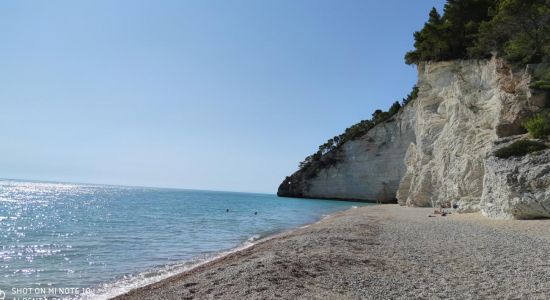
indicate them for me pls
(439, 149)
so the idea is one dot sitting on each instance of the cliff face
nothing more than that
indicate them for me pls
(368, 168)
(433, 152)
(462, 107)
(518, 187)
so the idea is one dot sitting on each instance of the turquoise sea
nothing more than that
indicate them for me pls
(71, 241)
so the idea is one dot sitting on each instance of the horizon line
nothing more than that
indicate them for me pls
(131, 186)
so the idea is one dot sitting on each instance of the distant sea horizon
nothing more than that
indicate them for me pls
(135, 186)
(95, 241)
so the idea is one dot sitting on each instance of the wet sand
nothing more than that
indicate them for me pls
(378, 252)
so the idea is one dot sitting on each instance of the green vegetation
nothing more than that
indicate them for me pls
(520, 148)
(516, 30)
(541, 85)
(541, 75)
(519, 31)
(411, 96)
(449, 36)
(539, 125)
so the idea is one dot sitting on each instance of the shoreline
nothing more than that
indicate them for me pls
(343, 199)
(180, 269)
(120, 288)
(377, 252)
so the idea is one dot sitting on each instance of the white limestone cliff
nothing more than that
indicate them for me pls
(517, 187)
(434, 151)
(372, 166)
(462, 107)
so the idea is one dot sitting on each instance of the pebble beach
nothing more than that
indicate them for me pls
(378, 252)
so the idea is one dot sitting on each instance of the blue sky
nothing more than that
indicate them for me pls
(219, 95)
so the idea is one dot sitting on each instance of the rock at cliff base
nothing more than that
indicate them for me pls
(517, 187)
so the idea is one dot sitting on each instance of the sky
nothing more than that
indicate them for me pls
(216, 95)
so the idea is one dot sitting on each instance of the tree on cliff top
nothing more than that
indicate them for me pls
(428, 42)
(449, 36)
(517, 30)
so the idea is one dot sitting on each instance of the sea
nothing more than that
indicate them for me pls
(87, 241)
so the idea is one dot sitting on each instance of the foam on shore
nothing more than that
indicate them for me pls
(130, 282)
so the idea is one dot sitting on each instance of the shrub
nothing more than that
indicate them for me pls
(394, 108)
(520, 148)
(538, 126)
(541, 77)
(327, 155)
(541, 85)
(411, 96)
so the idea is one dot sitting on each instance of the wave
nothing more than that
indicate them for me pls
(134, 281)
